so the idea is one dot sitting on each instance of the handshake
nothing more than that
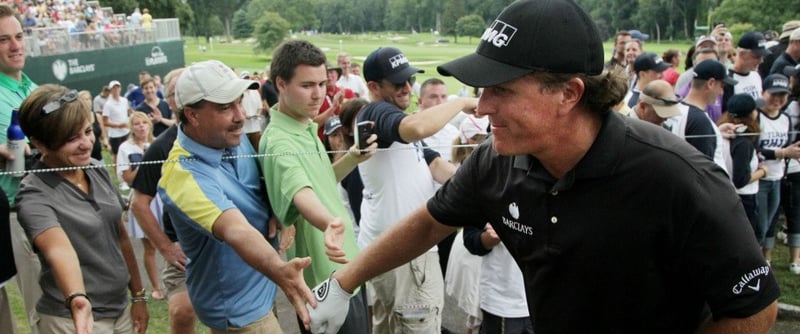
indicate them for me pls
(333, 303)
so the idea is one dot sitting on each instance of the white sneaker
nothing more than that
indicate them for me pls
(794, 268)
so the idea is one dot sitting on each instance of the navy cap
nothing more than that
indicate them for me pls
(712, 69)
(556, 36)
(741, 105)
(388, 63)
(776, 83)
(755, 42)
(649, 61)
(790, 70)
(331, 125)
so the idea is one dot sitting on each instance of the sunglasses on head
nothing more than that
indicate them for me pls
(61, 101)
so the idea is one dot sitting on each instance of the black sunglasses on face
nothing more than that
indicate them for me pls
(409, 82)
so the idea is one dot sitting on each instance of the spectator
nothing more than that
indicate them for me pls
(302, 189)
(147, 208)
(349, 80)
(790, 57)
(15, 85)
(657, 103)
(694, 124)
(672, 57)
(74, 219)
(130, 155)
(647, 67)
(219, 212)
(618, 59)
(154, 107)
(398, 180)
(774, 147)
(746, 170)
(115, 118)
(334, 97)
(776, 50)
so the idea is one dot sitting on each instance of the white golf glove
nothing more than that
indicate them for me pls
(333, 304)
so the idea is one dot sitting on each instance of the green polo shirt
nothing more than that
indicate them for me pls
(287, 173)
(12, 92)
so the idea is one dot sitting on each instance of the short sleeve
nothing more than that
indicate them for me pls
(35, 211)
(284, 177)
(457, 202)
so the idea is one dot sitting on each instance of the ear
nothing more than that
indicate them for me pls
(38, 145)
(374, 87)
(572, 93)
(280, 84)
(191, 116)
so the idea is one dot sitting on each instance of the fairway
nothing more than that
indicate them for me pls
(421, 49)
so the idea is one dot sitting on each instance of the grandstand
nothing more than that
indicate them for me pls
(83, 46)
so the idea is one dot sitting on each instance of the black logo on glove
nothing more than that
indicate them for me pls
(321, 292)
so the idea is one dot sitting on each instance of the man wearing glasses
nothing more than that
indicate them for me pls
(396, 182)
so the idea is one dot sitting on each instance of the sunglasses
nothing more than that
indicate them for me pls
(666, 102)
(409, 82)
(62, 100)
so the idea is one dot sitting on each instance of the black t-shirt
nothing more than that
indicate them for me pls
(146, 180)
(640, 237)
(165, 113)
(700, 131)
(354, 186)
(742, 151)
(780, 64)
(8, 268)
(268, 93)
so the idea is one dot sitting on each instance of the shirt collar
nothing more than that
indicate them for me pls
(211, 156)
(600, 161)
(291, 125)
(23, 87)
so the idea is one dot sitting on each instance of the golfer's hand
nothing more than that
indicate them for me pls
(333, 303)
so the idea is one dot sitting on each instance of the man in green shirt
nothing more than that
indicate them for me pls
(301, 186)
(15, 87)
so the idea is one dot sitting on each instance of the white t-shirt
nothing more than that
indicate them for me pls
(127, 151)
(793, 110)
(117, 112)
(354, 83)
(774, 135)
(442, 141)
(748, 84)
(251, 102)
(502, 291)
(396, 182)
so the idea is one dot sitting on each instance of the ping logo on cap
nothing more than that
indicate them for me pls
(780, 83)
(499, 33)
(398, 60)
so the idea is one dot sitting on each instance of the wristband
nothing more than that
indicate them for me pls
(68, 300)
(139, 299)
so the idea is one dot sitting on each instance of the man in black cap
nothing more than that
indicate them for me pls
(648, 67)
(398, 181)
(750, 52)
(695, 125)
(617, 225)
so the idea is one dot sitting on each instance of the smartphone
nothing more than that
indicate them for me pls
(364, 129)
(134, 158)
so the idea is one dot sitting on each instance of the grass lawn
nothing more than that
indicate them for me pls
(421, 49)
(423, 53)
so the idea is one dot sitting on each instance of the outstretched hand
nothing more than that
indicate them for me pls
(333, 303)
(290, 279)
(334, 240)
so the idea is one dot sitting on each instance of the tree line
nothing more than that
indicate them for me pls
(271, 20)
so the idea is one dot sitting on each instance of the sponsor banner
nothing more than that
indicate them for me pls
(91, 70)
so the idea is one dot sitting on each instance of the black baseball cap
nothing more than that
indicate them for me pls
(712, 69)
(556, 36)
(776, 83)
(649, 61)
(741, 105)
(332, 124)
(755, 42)
(388, 63)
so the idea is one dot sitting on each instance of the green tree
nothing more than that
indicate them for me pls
(300, 14)
(763, 14)
(470, 25)
(241, 26)
(453, 10)
(271, 29)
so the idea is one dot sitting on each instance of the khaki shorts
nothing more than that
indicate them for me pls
(409, 299)
(58, 325)
(174, 280)
(266, 325)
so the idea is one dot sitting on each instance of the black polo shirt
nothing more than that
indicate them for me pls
(638, 238)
